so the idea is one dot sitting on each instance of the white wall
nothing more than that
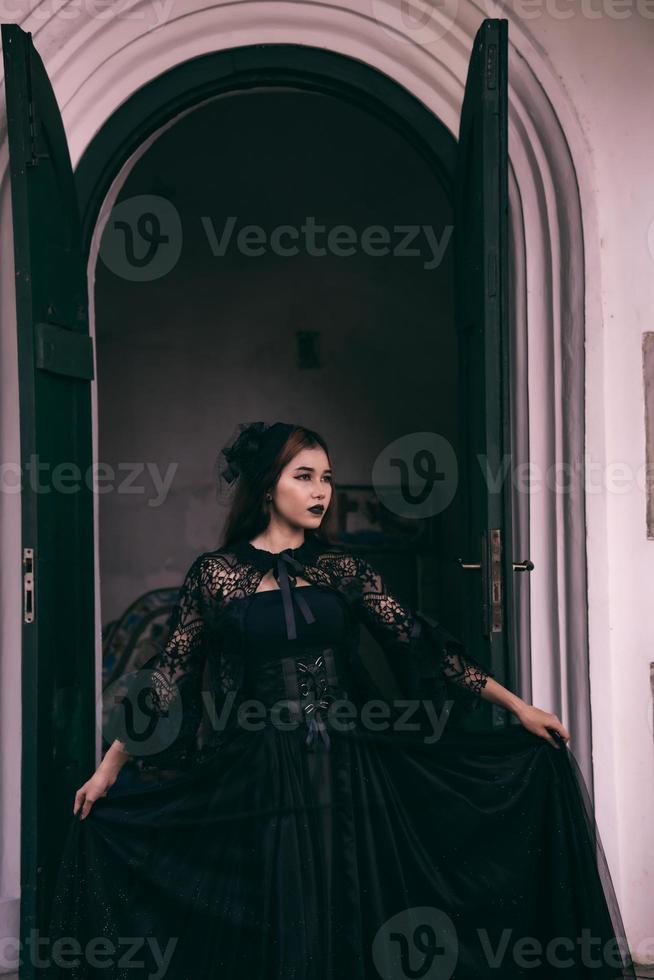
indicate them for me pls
(607, 68)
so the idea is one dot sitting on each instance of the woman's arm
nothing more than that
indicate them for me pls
(115, 757)
(398, 627)
(534, 719)
(175, 671)
(102, 779)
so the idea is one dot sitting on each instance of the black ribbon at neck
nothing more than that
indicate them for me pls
(281, 566)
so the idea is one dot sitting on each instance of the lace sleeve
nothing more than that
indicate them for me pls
(174, 673)
(183, 656)
(398, 629)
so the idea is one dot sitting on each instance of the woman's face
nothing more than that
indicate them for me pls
(303, 483)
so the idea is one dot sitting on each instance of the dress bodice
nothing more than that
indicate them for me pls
(265, 625)
(303, 642)
(309, 671)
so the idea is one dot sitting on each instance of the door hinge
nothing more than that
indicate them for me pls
(28, 585)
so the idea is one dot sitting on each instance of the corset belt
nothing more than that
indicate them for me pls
(308, 682)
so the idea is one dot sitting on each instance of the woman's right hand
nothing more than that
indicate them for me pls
(95, 787)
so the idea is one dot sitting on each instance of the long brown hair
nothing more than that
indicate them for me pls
(248, 513)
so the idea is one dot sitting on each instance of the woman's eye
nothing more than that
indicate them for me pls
(303, 475)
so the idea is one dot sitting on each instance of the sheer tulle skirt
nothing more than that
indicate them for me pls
(473, 857)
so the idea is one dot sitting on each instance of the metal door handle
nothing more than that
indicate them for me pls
(468, 565)
(518, 566)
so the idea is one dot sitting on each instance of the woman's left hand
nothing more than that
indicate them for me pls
(538, 721)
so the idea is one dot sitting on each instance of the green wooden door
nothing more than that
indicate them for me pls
(482, 262)
(55, 371)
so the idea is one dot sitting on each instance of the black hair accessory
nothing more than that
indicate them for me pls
(250, 450)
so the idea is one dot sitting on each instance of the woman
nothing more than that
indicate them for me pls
(317, 829)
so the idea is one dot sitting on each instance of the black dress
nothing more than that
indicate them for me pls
(299, 847)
